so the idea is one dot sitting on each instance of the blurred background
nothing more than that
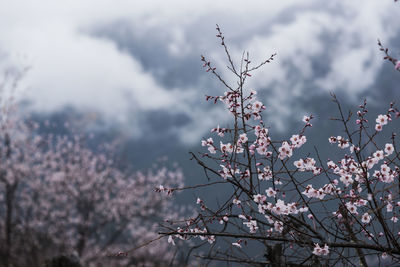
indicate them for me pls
(131, 70)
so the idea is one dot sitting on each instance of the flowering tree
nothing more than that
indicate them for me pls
(94, 209)
(15, 168)
(286, 208)
(59, 197)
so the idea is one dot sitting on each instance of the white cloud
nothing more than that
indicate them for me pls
(70, 67)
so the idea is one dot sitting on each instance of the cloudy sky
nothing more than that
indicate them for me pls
(138, 62)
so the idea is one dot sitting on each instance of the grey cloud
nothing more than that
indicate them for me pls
(162, 125)
(151, 50)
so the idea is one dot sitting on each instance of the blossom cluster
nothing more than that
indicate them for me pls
(293, 203)
(349, 190)
(321, 251)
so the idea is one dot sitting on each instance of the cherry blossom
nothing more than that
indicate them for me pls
(397, 66)
(270, 192)
(296, 203)
(389, 149)
(324, 251)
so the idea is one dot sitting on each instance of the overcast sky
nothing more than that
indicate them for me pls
(139, 61)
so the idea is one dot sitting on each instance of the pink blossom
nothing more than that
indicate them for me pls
(257, 106)
(324, 251)
(237, 244)
(285, 150)
(389, 149)
(252, 225)
(397, 65)
(351, 208)
(382, 119)
(236, 201)
(389, 207)
(243, 138)
(366, 218)
(259, 198)
(270, 192)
